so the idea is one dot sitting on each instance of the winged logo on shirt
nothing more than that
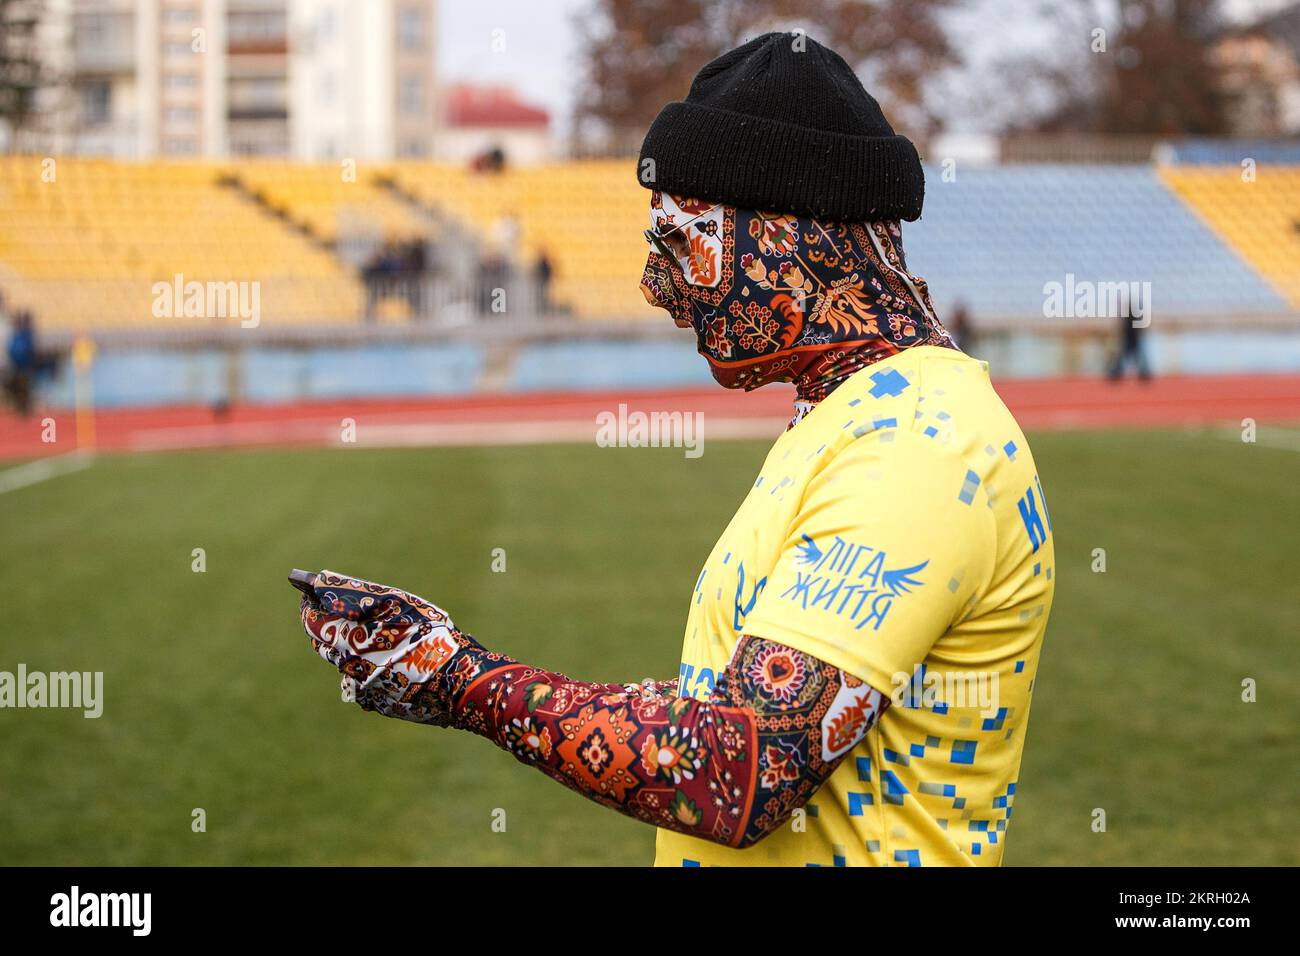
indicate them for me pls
(850, 579)
(902, 580)
(895, 580)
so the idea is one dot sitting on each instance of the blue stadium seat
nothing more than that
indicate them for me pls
(994, 237)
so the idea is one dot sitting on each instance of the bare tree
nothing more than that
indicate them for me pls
(21, 73)
(1127, 67)
(641, 54)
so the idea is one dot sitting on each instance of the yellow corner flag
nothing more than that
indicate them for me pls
(83, 357)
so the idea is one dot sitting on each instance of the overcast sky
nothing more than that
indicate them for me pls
(540, 55)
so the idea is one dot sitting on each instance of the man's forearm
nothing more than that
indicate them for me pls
(672, 762)
(729, 770)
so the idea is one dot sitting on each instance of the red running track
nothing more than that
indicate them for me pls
(1039, 404)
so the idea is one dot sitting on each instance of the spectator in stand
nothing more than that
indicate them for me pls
(1131, 347)
(489, 161)
(543, 273)
(27, 363)
(381, 269)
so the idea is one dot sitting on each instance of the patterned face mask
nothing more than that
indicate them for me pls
(780, 298)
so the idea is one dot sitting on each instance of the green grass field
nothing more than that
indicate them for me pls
(213, 698)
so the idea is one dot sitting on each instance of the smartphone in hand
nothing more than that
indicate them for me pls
(305, 582)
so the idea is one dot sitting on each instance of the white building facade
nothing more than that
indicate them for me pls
(312, 79)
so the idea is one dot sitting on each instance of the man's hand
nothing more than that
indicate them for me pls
(389, 645)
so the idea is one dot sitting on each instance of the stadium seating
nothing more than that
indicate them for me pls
(588, 215)
(993, 237)
(1216, 152)
(1258, 217)
(84, 250)
(326, 202)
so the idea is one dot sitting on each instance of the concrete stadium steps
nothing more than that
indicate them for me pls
(329, 199)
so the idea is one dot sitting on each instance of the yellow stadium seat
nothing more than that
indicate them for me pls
(83, 250)
(1259, 217)
(588, 216)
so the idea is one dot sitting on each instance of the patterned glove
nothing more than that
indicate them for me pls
(389, 645)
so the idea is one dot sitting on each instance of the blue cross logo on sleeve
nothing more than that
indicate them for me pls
(889, 382)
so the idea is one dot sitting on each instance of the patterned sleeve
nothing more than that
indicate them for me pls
(730, 770)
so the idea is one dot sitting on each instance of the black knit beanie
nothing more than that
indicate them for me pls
(782, 124)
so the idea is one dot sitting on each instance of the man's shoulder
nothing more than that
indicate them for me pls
(938, 395)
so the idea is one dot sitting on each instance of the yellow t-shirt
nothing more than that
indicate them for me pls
(898, 532)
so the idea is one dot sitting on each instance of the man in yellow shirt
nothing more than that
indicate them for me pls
(898, 534)
(890, 568)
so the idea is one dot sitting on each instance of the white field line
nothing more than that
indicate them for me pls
(34, 472)
(534, 433)
(421, 434)
(1281, 440)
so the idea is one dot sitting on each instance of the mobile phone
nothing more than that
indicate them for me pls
(304, 581)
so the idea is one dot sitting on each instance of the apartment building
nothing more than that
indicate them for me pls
(362, 78)
(312, 79)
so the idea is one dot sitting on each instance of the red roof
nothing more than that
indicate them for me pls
(469, 105)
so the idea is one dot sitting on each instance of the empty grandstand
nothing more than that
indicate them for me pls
(994, 237)
(1257, 215)
(84, 243)
(79, 249)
